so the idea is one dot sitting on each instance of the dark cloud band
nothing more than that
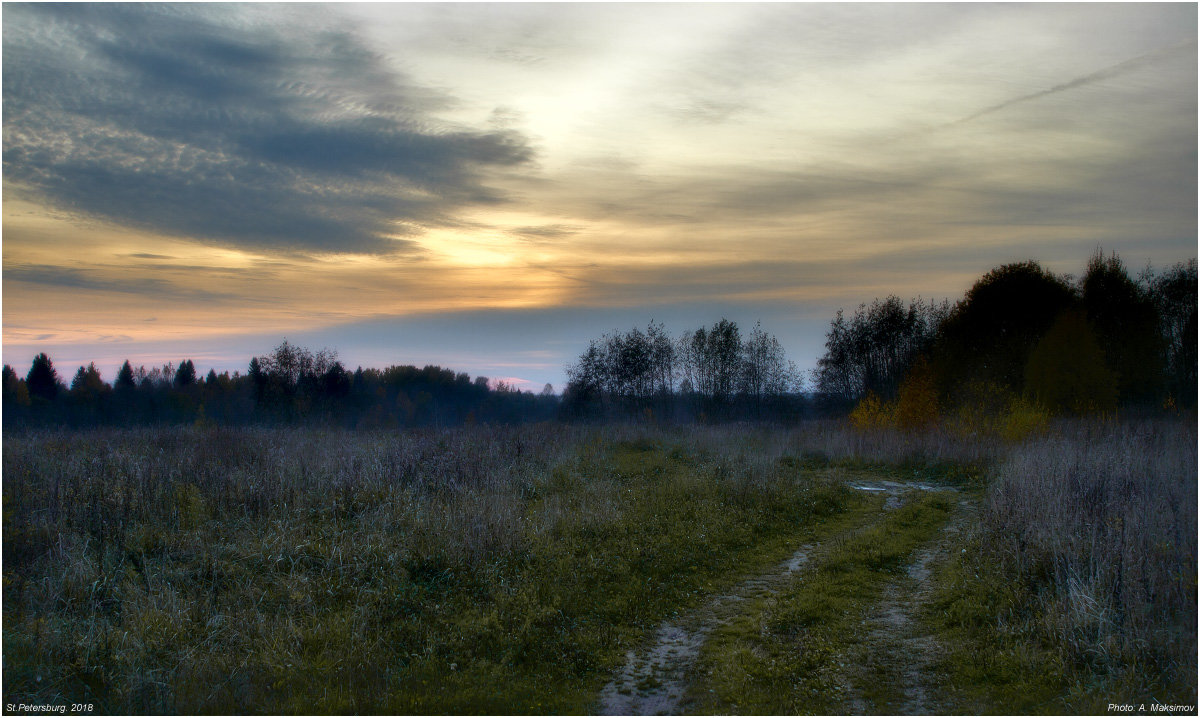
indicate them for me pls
(212, 124)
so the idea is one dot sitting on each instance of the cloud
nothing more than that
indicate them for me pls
(545, 232)
(1118, 177)
(74, 278)
(706, 111)
(249, 127)
(757, 160)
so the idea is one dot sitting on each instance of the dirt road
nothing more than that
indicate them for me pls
(656, 678)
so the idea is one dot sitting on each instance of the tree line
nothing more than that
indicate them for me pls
(1108, 341)
(706, 373)
(290, 385)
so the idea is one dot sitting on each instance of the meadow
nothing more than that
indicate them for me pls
(510, 569)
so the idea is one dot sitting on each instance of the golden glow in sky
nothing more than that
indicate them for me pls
(487, 186)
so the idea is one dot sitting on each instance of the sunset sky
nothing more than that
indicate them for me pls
(488, 186)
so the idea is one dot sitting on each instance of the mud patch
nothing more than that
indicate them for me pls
(895, 490)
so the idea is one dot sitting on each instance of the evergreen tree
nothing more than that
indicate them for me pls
(125, 381)
(42, 379)
(16, 393)
(186, 374)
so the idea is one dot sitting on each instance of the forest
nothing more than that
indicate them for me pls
(292, 385)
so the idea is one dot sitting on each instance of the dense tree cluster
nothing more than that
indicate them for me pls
(1174, 294)
(706, 373)
(872, 351)
(290, 385)
(1104, 342)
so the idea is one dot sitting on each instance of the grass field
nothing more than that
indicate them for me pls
(509, 570)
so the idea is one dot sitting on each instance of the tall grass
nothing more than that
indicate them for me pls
(1076, 586)
(886, 445)
(184, 570)
(1099, 521)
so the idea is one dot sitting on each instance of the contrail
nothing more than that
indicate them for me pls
(1103, 74)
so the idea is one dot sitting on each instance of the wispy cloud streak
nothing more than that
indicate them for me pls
(74, 278)
(1107, 73)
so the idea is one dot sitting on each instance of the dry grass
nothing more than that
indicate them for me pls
(472, 570)
(1101, 521)
(492, 569)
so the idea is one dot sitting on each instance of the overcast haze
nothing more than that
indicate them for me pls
(486, 187)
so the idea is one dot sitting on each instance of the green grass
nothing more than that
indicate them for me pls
(789, 653)
(585, 593)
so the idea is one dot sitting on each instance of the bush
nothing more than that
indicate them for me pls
(871, 413)
(989, 409)
(1023, 420)
(915, 407)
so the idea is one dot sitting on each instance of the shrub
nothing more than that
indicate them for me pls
(871, 414)
(989, 409)
(190, 506)
(1023, 420)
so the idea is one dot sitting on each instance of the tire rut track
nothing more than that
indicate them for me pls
(655, 679)
(896, 647)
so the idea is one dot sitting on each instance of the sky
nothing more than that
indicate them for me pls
(487, 187)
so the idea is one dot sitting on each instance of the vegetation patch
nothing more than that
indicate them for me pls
(338, 572)
(510, 570)
(1077, 588)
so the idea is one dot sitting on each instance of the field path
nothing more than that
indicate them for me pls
(655, 679)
